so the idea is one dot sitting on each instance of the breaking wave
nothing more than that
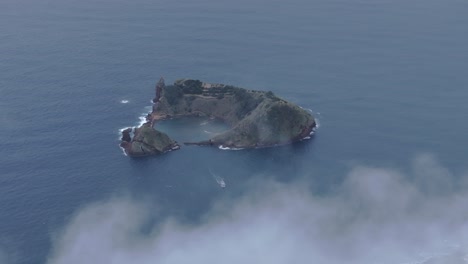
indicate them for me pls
(228, 148)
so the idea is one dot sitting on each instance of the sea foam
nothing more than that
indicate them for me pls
(228, 148)
(142, 120)
(123, 150)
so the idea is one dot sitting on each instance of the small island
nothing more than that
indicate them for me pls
(256, 118)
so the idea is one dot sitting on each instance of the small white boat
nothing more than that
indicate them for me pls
(221, 183)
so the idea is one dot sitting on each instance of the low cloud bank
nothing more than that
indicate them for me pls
(375, 216)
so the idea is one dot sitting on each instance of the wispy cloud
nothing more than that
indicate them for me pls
(375, 216)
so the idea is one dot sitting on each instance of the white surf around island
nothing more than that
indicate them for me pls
(120, 137)
(317, 123)
(228, 148)
(142, 120)
(220, 181)
(122, 130)
(316, 115)
(123, 150)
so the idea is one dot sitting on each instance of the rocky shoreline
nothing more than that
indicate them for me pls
(146, 140)
(307, 133)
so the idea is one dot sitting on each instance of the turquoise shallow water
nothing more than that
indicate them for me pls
(386, 79)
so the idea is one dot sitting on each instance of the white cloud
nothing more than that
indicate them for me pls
(376, 216)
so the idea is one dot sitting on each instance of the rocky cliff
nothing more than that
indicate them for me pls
(146, 140)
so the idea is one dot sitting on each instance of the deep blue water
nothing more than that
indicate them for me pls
(387, 80)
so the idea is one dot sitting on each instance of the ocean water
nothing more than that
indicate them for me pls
(387, 81)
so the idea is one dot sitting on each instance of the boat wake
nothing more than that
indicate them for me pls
(220, 181)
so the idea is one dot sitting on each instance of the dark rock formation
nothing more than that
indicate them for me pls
(159, 87)
(148, 141)
(126, 135)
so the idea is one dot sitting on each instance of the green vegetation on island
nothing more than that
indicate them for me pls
(256, 118)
